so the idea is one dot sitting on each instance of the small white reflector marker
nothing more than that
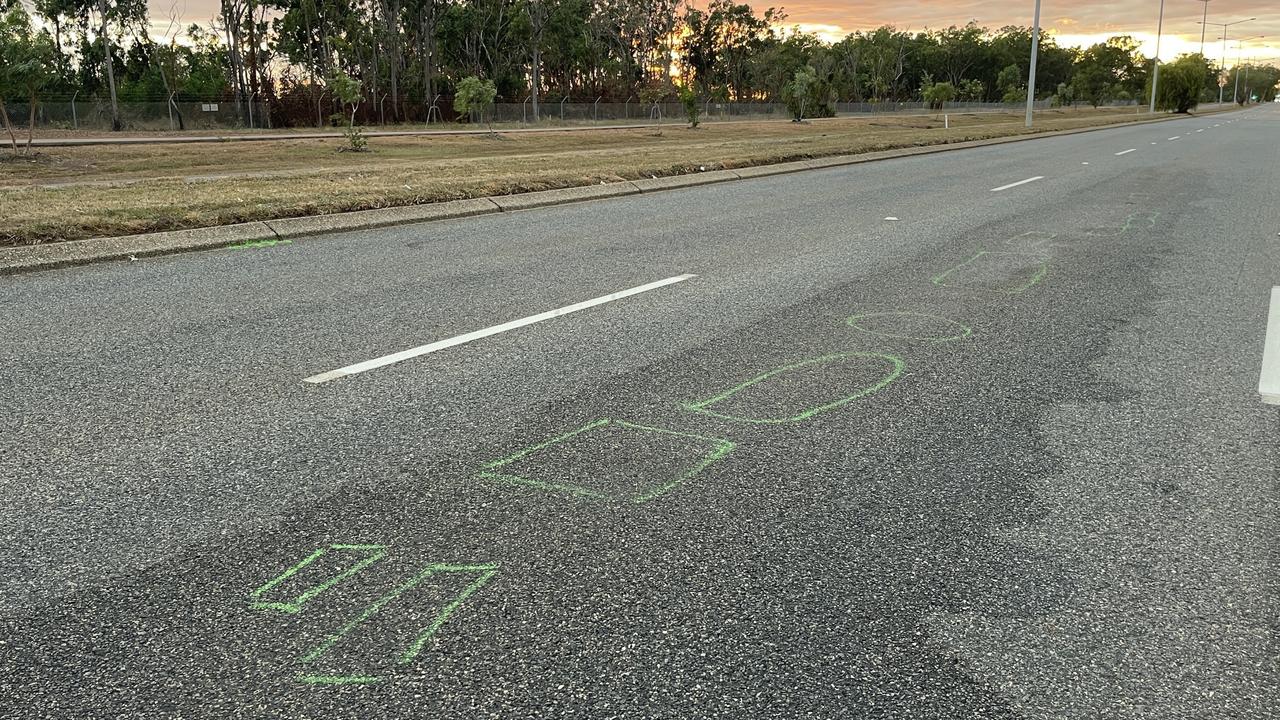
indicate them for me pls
(1269, 384)
(892, 218)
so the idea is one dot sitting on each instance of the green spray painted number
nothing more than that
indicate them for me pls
(369, 554)
(895, 363)
(955, 276)
(366, 555)
(954, 330)
(486, 573)
(719, 447)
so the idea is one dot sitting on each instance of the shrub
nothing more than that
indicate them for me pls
(473, 96)
(691, 107)
(1180, 84)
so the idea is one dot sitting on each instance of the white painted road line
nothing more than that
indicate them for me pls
(1126, 152)
(1020, 182)
(1175, 137)
(1269, 383)
(486, 332)
(1200, 130)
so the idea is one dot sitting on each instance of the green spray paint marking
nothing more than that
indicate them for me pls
(443, 616)
(1037, 276)
(1130, 222)
(258, 244)
(962, 331)
(372, 554)
(487, 572)
(720, 448)
(1031, 238)
(339, 679)
(898, 366)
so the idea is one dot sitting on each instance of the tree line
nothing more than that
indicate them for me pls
(403, 54)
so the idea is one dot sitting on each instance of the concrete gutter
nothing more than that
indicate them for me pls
(48, 256)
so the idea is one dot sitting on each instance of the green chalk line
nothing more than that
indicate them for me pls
(721, 447)
(898, 366)
(1041, 271)
(443, 616)
(1129, 222)
(339, 679)
(965, 330)
(545, 444)
(489, 571)
(258, 244)
(376, 553)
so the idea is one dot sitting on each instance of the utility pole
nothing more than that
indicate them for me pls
(1203, 26)
(1031, 74)
(1155, 73)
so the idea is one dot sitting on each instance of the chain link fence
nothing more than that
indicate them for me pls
(180, 116)
(159, 115)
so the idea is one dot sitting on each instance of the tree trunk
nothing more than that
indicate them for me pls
(536, 79)
(116, 126)
(8, 126)
(254, 88)
(31, 122)
(391, 12)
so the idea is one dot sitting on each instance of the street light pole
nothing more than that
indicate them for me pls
(1031, 74)
(1203, 25)
(1155, 74)
(1235, 92)
(1222, 66)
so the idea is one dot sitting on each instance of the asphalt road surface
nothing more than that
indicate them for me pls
(1000, 457)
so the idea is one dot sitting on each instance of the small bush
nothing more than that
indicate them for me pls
(691, 107)
(356, 140)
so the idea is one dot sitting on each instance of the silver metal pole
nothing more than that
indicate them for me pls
(1235, 70)
(1155, 74)
(1031, 74)
(1222, 66)
(1203, 25)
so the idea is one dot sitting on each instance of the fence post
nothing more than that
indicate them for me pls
(595, 109)
(75, 121)
(626, 108)
(562, 102)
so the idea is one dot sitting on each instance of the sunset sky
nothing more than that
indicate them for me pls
(1080, 22)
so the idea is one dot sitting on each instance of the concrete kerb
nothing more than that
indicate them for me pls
(47, 256)
(543, 198)
(29, 258)
(288, 228)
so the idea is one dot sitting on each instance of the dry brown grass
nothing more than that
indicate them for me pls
(78, 192)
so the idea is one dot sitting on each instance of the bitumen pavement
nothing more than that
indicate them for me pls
(1000, 456)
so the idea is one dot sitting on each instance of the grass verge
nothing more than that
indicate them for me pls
(79, 192)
